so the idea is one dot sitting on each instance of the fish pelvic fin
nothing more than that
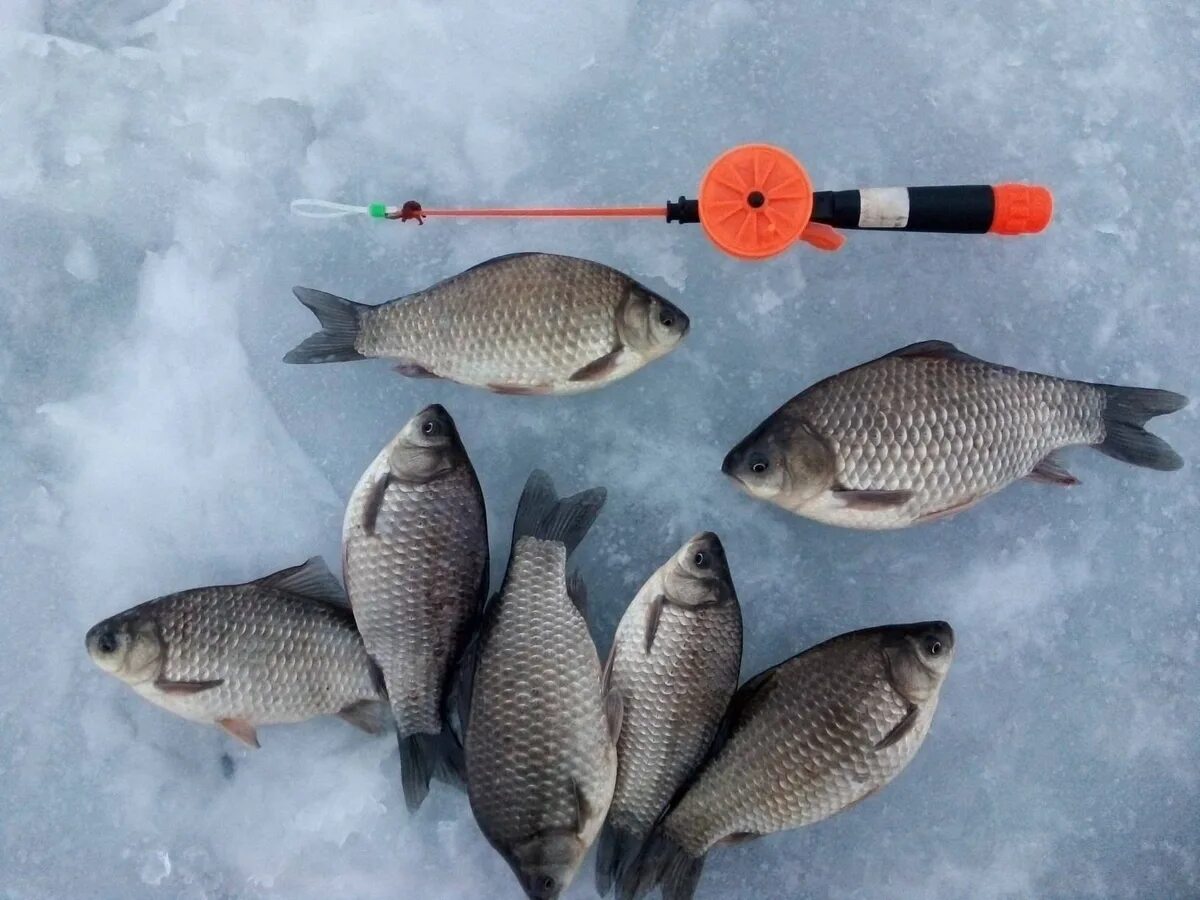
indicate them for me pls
(241, 729)
(366, 715)
(1126, 411)
(340, 324)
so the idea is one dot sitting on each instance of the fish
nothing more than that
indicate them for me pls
(415, 562)
(928, 431)
(526, 323)
(675, 661)
(541, 734)
(800, 742)
(280, 649)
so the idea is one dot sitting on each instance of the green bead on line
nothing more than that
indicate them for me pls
(378, 210)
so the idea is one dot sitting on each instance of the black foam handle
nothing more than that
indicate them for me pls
(951, 209)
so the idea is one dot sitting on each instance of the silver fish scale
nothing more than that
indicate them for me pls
(537, 716)
(282, 658)
(525, 320)
(948, 430)
(806, 752)
(414, 585)
(674, 699)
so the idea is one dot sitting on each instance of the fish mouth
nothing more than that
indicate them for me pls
(435, 409)
(100, 641)
(685, 324)
(708, 540)
(729, 464)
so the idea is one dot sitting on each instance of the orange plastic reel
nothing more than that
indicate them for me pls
(755, 201)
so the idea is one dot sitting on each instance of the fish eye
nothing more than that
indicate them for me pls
(545, 883)
(107, 642)
(666, 319)
(933, 646)
(759, 464)
(700, 559)
(431, 427)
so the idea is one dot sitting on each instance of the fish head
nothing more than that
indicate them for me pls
(426, 448)
(128, 646)
(648, 324)
(783, 461)
(699, 572)
(918, 658)
(546, 863)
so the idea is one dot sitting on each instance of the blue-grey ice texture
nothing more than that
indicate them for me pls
(152, 440)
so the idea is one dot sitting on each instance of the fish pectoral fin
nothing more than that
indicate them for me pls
(871, 499)
(577, 591)
(614, 713)
(949, 511)
(186, 687)
(520, 389)
(413, 370)
(738, 837)
(377, 679)
(583, 808)
(653, 612)
(374, 500)
(1051, 471)
(311, 580)
(599, 369)
(242, 730)
(367, 715)
(903, 727)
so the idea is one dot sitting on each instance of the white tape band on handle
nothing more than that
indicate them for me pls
(326, 209)
(883, 207)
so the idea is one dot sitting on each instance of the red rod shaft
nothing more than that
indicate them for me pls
(553, 212)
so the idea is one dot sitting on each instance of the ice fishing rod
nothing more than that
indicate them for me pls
(756, 200)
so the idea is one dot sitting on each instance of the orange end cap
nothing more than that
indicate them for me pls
(1021, 208)
(755, 201)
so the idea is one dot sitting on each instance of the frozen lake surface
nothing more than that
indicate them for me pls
(152, 440)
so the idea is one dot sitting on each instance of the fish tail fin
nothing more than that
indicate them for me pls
(661, 861)
(614, 850)
(541, 514)
(1126, 411)
(339, 320)
(427, 756)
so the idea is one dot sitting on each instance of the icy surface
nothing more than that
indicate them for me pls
(152, 440)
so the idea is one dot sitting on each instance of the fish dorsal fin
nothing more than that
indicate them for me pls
(919, 350)
(935, 349)
(311, 580)
(502, 258)
(941, 350)
(747, 698)
(457, 275)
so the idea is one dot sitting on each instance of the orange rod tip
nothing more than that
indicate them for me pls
(1021, 208)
